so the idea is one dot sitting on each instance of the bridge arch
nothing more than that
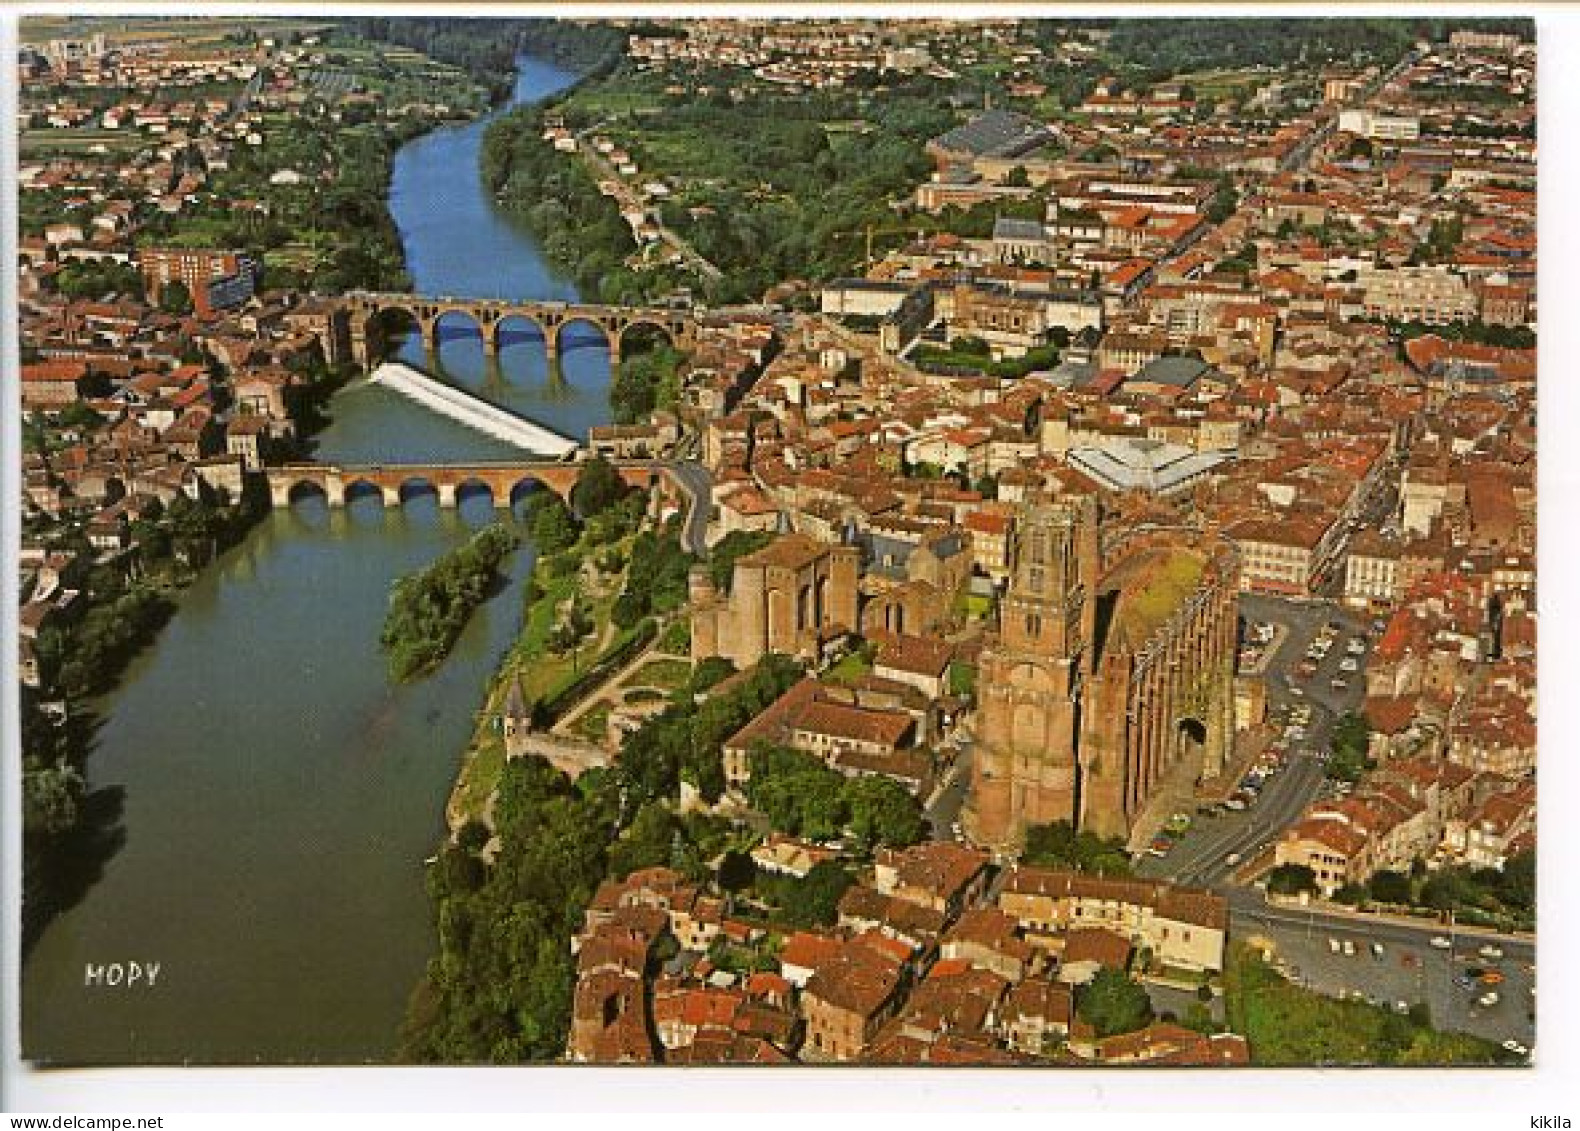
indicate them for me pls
(299, 489)
(471, 487)
(517, 326)
(457, 324)
(415, 487)
(361, 488)
(562, 342)
(645, 326)
(383, 323)
(523, 489)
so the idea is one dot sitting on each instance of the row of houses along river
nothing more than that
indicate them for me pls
(279, 794)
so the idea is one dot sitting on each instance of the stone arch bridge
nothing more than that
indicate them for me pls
(364, 311)
(396, 482)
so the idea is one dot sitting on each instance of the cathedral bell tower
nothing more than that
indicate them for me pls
(1032, 678)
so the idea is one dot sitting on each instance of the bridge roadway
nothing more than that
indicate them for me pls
(484, 416)
(363, 311)
(504, 481)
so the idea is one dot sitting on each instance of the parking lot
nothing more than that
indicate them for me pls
(1303, 704)
(1395, 962)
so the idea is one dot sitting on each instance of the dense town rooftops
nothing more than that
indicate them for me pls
(1183, 904)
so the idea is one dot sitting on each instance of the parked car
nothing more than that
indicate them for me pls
(1401, 1007)
(1490, 951)
(1511, 1045)
(1441, 942)
(1333, 945)
(1232, 859)
(1349, 948)
(1377, 950)
(1492, 978)
(1488, 999)
(1463, 981)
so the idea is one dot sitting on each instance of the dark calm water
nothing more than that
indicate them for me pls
(280, 794)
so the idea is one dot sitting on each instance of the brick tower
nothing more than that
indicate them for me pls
(1032, 678)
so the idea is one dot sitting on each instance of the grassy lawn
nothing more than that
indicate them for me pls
(52, 141)
(976, 606)
(1287, 1025)
(849, 669)
(666, 674)
(542, 675)
(484, 763)
(962, 678)
(593, 724)
(676, 639)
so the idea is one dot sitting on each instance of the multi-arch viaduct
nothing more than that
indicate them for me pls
(366, 314)
(394, 483)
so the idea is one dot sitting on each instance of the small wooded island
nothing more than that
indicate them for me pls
(429, 608)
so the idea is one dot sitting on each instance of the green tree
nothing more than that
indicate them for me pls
(1350, 743)
(1391, 887)
(647, 843)
(884, 812)
(730, 549)
(1291, 879)
(814, 901)
(80, 415)
(598, 487)
(1112, 1003)
(737, 870)
(175, 297)
(552, 524)
(1059, 845)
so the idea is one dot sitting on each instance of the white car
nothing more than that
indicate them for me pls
(1333, 945)
(1232, 859)
(1348, 665)
(1488, 999)
(1440, 942)
(1511, 1045)
(1349, 948)
(1490, 951)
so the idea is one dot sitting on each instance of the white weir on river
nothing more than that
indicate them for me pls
(487, 418)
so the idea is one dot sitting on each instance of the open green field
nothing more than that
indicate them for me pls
(34, 142)
(1227, 81)
(195, 30)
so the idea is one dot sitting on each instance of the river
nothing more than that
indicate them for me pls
(280, 794)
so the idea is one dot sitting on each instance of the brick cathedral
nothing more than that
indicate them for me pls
(1109, 690)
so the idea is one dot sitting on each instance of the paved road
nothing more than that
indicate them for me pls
(943, 810)
(1200, 856)
(1410, 969)
(698, 483)
(630, 197)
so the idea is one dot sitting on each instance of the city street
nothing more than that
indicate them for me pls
(1201, 856)
(1409, 969)
(943, 809)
